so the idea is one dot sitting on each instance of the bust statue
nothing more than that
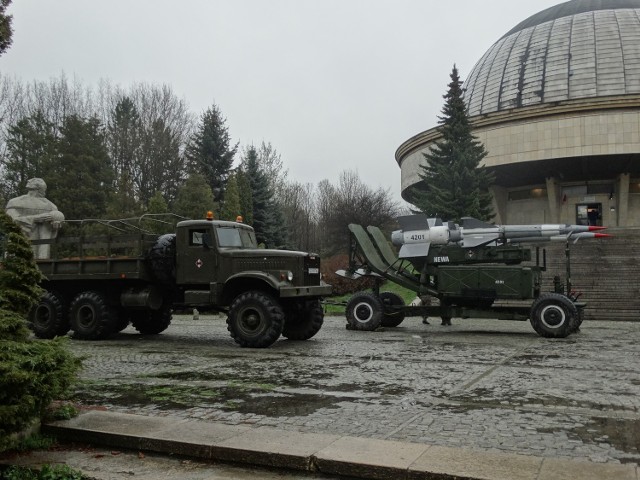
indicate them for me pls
(38, 217)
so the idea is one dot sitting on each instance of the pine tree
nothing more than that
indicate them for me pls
(31, 146)
(157, 204)
(19, 276)
(195, 198)
(6, 32)
(210, 152)
(455, 185)
(123, 141)
(231, 206)
(80, 184)
(268, 221)
(32, 373)
(246, 197)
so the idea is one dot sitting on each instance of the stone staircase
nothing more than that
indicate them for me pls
(606, 271)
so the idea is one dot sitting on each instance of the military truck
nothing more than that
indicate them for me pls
(97, 284)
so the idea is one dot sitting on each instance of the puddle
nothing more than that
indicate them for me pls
(623, 434)
(283, 405)
(259, 399)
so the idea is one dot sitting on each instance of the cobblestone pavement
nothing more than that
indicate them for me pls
(479, 384)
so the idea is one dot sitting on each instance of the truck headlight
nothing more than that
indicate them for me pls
(290, 276)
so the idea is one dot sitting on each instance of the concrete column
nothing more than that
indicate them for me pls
(622, 199)
(553, 196)
(500, 197)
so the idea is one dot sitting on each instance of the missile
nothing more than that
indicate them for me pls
(418, 233)
(562, 238)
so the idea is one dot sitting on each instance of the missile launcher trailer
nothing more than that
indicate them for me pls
(491, 277)
(96, 284)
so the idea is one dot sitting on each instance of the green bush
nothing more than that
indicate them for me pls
(32, 372)
(46, 472)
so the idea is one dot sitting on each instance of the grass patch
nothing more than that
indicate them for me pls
(339, 310)
(35, 442)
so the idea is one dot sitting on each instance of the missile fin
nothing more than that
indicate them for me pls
(413, 250)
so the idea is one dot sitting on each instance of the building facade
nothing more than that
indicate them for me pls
(556, 103)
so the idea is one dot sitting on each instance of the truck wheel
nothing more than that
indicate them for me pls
(91, 317)
(553, 315)
(364, 312)
(255, 320)
(152, 322)
(391, 317)
(303, 320)
(47, 319)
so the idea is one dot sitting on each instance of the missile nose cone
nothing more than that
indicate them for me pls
(601, 235)
(593, 228)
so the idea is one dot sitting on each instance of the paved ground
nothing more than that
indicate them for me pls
(484, 385)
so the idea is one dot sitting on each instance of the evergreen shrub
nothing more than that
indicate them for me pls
(32, 372)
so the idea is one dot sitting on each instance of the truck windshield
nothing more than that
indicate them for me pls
(235, 238)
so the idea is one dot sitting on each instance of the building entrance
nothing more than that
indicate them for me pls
(589, 214)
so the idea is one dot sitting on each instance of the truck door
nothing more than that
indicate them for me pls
(197, 262)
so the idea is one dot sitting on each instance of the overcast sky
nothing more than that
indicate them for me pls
(332, 84)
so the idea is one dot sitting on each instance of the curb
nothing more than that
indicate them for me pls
(324, 453)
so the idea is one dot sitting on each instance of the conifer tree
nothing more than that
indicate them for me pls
(231, 206)
(455, 185)
(210, 152)
(32, 373)
(6, 32)
(31, 147)
(267, 217)
(80, 184)
(195, 198)
(246, 197)
(157, 204)
(123, 141)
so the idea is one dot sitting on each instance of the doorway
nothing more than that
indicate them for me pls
(589, 214)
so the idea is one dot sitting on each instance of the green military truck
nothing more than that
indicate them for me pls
(98, 284)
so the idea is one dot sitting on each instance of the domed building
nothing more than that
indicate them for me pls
(556, 103)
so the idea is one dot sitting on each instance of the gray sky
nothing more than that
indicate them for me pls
(332, 84)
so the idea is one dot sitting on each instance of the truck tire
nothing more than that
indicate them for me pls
(391, 317)
(255, 320)
(303, 320)
(151, 322)
(162, 258)
(48, 318)
(553, 315)
(91, 317)
(364, 312)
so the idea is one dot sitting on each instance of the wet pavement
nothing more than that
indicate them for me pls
(491, 386)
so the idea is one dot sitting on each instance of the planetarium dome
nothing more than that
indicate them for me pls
(579, 49)
(556, 103)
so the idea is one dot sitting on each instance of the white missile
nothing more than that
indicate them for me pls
(418, 233)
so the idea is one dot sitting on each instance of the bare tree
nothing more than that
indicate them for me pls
(298, 209)
(351, 201)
